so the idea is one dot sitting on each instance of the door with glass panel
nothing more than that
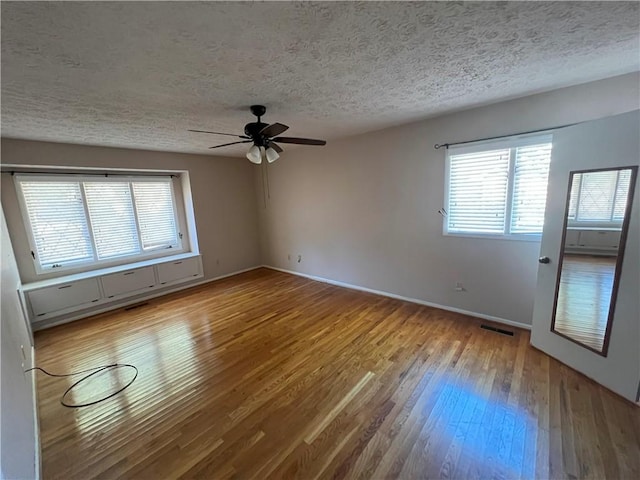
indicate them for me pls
(586, 310)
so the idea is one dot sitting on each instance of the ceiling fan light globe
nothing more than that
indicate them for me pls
(254, 155)
(272, 155)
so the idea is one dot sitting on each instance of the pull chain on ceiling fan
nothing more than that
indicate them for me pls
(263, 136)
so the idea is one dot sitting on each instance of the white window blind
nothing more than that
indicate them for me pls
(573, 196)
(622, 191)
(478, 191)
(498, 191)
(530, 188)
(82, 220)
(597, 193)
(58, 224)
(112, 220)
(156, 217)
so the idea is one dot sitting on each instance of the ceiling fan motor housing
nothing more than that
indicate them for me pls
(253, 130)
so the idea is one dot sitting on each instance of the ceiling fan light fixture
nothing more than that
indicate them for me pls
(272, 155)
(254, 155)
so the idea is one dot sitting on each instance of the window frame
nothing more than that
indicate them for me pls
(511, 143)
(96, 263)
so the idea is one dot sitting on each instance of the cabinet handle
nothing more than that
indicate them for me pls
(130, 273)
(66, 286)
(177, 263)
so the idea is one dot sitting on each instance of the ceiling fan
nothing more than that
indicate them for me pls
(264, 136)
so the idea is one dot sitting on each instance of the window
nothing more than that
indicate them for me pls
(76, 220)
(599, 198)
(498, 189)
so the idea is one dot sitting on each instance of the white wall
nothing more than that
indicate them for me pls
(223, 198)
(18, 457)
(363, 210)
(607, 143)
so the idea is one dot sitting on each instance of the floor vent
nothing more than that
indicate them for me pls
(499, 330)
(143, 304)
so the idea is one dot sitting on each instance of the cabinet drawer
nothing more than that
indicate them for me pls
(127, 282)
(172, 271)
(59, 297)
(599, 238)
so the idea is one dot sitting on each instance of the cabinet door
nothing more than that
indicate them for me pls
(572, 238)
(59, 297)
(127, 282)
(178, 270)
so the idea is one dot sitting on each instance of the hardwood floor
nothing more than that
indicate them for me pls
(268, 375)
(584, 298)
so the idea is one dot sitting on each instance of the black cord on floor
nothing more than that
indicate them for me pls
(94, 371)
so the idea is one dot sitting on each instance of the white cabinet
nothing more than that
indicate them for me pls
(64, 296)
(178, 270)
(128, 282)
(92, 292)
(600, 239)
(592, 241)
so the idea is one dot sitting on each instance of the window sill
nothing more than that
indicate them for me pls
(105, 271)
(596, 229)
(518, 238)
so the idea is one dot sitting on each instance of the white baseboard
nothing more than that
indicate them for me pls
(125, 303)
(406, 299)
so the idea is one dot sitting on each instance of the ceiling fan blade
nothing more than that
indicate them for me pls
(273, 130)
(276, 147)
(232, 143)
(219, 133)
(300, 141)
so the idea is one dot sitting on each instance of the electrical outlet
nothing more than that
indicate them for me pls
(289, 257)
(218, 261)
(459, 287)
(299, 258)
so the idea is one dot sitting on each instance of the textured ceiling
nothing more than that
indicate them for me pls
(140, 74)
